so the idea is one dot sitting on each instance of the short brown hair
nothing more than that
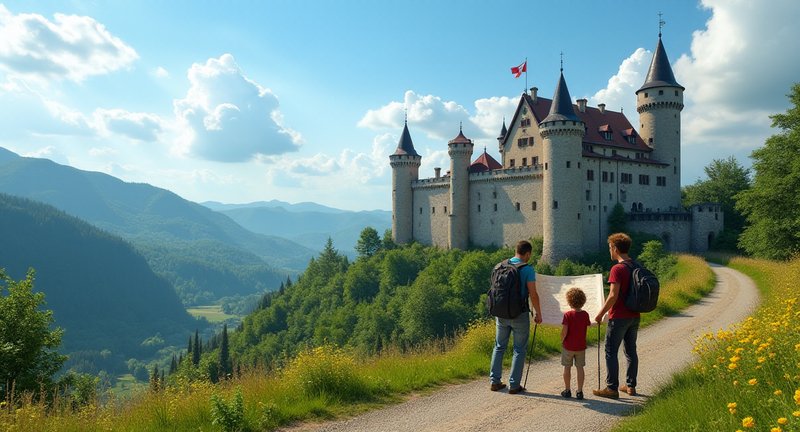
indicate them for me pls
(621, 241)
(576, 298)
(524, 247)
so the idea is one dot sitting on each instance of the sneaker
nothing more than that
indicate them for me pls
(566, 393)
(579, 395)
(606, 393)
(516, 390)
(630, 390)
(497, 386)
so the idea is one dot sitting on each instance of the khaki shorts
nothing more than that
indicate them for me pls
(567, 358)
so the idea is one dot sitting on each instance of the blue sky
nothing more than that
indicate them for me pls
(303, 100)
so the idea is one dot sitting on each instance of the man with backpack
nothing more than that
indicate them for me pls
(623, 323)
(513, 283)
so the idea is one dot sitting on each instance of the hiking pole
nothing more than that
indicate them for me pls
(598, 355)
(530, 353)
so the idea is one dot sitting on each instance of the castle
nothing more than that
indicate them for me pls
(564, 168)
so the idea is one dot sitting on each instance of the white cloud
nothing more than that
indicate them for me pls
(137, 126)
(621, 88)
(490, 112)
(69, 47)
(226, 117)
(160, 72)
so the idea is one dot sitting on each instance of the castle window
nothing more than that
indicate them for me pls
(579, 216)
(479, 208)
(716, 216)
(605, 176)
(605, 209)
(579, 165)
(495, 207)
(494, 194)
(517, 206)
(646, 95)
(568, 162)
(555, 204)
(588, 195)
(611, 197)
(644, 179)
(524, 161)
(536, 160)
(633, 207)
(511, 163)
(607, 135)
(661, 181)
(433, 210)
(639, 207)
(612, 177)
(631, 139)
(445, 209)
(525, 122)
(674, 170)
(590, 175)
(650, 140)
(622, 196)
(626, 178)
(533, 206)
(545, 166)
(676, 93)
(530, 141)
(613, 152)
(479, 196)
(420, 210)
(661, 92)
(522, 142)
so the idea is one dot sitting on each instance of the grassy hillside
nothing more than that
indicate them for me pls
(101, 290)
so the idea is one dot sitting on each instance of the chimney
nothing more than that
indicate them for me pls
(602, 108)
(534, 90)
(582, 105)
(438, 172)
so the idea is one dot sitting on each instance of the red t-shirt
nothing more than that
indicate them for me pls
(621, 275)
(577, 322)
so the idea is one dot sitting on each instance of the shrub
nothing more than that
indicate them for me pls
(325, 371)
(229, 415)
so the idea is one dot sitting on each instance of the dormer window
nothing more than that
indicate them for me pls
(607, 136)
(526, 122)
(606, 132)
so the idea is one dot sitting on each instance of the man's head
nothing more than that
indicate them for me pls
(524, 249)
(576, 298)
(618, 244)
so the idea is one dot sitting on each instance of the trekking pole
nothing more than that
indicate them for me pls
(530, 353)
(598, 356)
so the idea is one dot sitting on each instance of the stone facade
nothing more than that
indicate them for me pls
(564, 167)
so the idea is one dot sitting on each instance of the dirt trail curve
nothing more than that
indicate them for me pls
(664, 348)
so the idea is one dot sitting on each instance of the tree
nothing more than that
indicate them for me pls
(388, 241)
(726, 178)
(771, 205)
(28, 356)
(197, 349)
(369, 243)
(225, 367)
(617, 221)
(154, 379)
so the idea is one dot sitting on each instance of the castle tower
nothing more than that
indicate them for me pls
(659, 102)
(460, 151)
(562, 144)
(405, 164)
(502, 136)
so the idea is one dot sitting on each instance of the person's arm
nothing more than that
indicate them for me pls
(534, 296)
(563, 332)
(613, 294)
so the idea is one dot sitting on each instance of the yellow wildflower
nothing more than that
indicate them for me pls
(783, 420)
(748, 422)
(732, 366)
(797, 397)
(734, 359)
(762, 359)
(796, 413)
(752, 381)
(777, 392)
(776, 429)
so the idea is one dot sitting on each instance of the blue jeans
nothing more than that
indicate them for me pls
(521, 327)
(621, 330)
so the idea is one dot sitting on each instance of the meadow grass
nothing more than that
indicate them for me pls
(325, 382)
(747, 377)
(212, 313)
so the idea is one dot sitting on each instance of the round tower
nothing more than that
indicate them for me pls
(562, 144)
(659, 102)
(460, 151)
(405, 164)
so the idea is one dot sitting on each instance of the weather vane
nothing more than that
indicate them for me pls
(562, 61)
(661, 23)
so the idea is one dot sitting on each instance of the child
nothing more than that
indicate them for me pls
(573, 340)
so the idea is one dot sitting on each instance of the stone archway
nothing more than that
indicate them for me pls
(710, 239)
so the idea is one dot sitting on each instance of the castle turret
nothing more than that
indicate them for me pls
(659, 102)
(405, 164)
(562, 142)
(460, 151)
(502, 137)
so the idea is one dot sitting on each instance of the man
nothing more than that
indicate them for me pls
(623, 324)
(519, 325)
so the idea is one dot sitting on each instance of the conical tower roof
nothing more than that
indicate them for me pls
(405, 146)
(561, 108)
(503, 130)
(660, 72)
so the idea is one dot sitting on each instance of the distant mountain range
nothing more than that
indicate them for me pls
(203, 253)
(308, 224)
(100, 289)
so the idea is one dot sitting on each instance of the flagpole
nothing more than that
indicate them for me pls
(526, 76)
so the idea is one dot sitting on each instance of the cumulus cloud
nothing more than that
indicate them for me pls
(229, 118)
(160, 72)
(68, 47)
(490, 112)
(137, 126)
(619, 93)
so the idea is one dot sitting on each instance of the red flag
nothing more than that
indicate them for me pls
(518, 70)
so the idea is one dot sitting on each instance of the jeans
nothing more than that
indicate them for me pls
(521, 327)
(621, 330)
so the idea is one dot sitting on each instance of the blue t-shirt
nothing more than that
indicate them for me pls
(526, 274)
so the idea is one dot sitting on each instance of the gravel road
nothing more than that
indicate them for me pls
(664, 348)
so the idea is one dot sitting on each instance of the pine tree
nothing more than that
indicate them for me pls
(189, 351)
(197, 349)
(224, 354)
(154, 377)
(173, 366)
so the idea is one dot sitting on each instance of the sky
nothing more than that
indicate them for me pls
(302, 100)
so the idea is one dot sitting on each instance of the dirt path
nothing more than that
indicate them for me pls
(664, 348)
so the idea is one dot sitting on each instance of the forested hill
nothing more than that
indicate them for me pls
(400, 296)
(101, 291)
(198, 250)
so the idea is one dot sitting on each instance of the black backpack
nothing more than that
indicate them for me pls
(643, 291)
(504, 298)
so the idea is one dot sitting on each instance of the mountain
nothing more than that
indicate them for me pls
(309, 228)
(204, 253)
(101, 290)
(295, 208)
